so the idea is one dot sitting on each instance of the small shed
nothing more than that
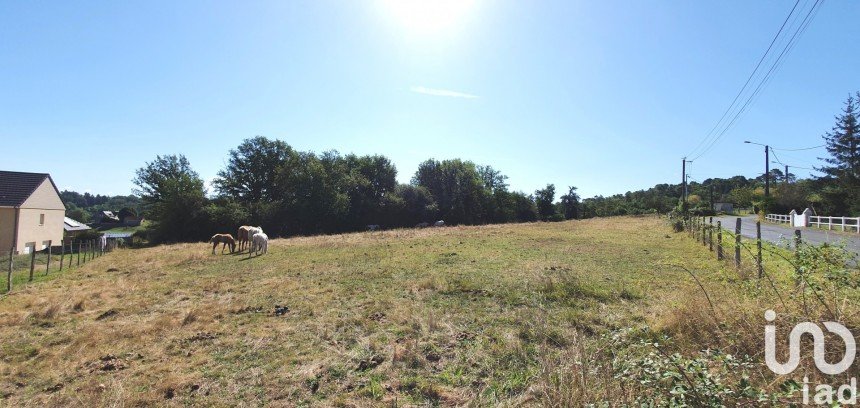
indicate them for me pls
(73, 228)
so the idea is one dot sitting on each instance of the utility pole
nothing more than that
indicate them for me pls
(766, 166)
(766, 171)
(684, 184)
(786, 174)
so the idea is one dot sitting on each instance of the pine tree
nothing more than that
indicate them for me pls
(843, 144)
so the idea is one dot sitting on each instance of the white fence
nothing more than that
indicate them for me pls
(806, 219)
(778, 218)
(841, 223)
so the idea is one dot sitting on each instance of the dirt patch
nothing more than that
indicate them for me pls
(54, 388)
(108, 362)
(202, 336)
(106, 315)
(464, 336)
(248, 309)
(370, 362)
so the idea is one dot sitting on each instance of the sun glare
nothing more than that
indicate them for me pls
(427, 16)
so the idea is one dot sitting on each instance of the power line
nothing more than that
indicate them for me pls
(804, 23)
(769, 47)
(802, 28)
(799, 31)
(774, 156)
(797, 150)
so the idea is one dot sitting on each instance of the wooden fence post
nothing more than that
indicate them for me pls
(719, 240)
(738, 243)
(698, 229)
(71, 252)
(80, 246)
(758, 248)
(704, 232)
(9, 272)
(48, 266)
(711, 234)
(799, 282)
(797, 240)
(32, 262)
(62, 252)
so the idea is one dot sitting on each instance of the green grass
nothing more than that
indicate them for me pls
(442, 316)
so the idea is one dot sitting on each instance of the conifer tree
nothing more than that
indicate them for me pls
(843, 165)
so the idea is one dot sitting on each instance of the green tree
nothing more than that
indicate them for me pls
(544, 199)
(493, 179)
(251, 172)
(409, 205)
(843, 165)
(457, 188)
(311, 199)
(78, 214)
(570, 204)
(367, 180)
(173, 197)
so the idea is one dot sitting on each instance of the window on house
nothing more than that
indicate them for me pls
(41, 219)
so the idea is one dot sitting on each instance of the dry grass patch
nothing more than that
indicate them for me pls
(502, 314)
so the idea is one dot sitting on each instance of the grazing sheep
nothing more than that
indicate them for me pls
(225, 239)
(259, 242)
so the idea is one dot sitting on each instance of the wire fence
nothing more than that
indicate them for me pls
(25, 266)
(778, 267)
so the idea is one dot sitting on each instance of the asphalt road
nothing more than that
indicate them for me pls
(778, 233)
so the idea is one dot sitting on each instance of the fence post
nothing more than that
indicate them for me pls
(711, 234)
(738, 243)
(799, 282)
(758, 247)
(797, 240)
(719, 240)
(80, 246)
(62, 252)
(48, 266)
(32, 262)
(9, 272)
(699, 229)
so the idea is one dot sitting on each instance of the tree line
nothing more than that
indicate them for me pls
(289, 192)
(81, 207)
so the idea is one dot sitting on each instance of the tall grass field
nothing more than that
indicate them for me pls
(540, 314)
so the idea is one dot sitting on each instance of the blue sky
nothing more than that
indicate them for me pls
(604, 95)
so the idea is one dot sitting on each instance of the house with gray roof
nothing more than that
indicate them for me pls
(31, 212)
